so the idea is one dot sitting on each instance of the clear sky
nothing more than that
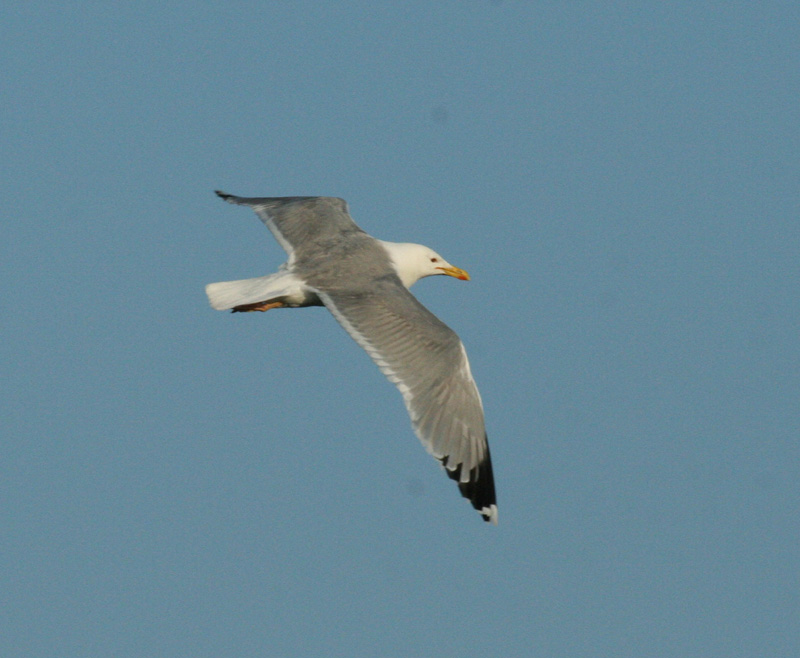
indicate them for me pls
(621, 180)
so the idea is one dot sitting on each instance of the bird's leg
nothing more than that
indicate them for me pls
(259, 306)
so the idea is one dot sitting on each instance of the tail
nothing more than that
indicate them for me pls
(228, 294)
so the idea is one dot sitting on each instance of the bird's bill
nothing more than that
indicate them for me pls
(457, 272)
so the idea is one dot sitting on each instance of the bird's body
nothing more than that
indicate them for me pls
(364, 283)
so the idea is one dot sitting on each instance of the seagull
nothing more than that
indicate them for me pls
(364, 282)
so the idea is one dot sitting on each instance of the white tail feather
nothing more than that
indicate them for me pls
(227, 294)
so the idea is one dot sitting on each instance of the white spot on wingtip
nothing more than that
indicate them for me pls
(491, 512)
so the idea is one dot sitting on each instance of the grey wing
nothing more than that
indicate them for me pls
(299, 220)
(427, 362)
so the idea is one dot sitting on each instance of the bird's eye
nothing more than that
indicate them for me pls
(434, 260)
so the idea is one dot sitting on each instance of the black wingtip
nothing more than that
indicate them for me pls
(479, 490)
(223, 195)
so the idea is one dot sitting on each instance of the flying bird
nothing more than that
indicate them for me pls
(364, 282)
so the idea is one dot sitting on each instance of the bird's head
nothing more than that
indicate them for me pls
(415, 261)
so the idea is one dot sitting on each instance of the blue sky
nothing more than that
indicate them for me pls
(620, 180)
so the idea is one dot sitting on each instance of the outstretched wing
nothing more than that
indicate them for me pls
(427, 362)
(299, 220)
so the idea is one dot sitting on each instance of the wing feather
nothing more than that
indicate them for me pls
(296, 221)
(426, 360)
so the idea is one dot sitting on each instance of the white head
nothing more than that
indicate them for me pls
(415, 261)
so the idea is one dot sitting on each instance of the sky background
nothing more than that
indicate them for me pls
(621, 180)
